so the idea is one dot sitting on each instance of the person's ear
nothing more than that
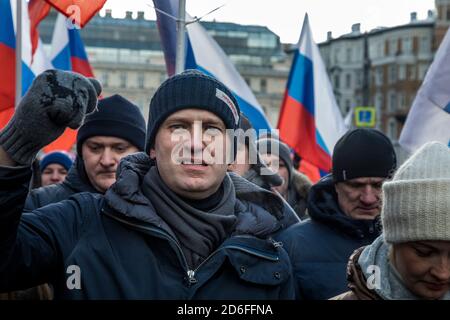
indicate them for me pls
(152, 153)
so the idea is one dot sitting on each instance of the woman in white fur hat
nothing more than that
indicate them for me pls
(411, 260)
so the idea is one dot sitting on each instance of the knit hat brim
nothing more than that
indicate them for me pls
(109, 128)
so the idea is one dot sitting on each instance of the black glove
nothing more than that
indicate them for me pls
(56, 100)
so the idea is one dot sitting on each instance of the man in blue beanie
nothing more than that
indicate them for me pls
(114, 130)
(54, 167)
(175, 225)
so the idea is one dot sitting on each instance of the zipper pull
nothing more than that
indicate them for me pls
(276, 244)
(191, 277)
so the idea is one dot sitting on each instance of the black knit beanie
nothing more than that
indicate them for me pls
(115, 117)
(282, 150)
(191, 89)
(363, 153)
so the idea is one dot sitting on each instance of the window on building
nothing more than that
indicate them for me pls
(263, 85)
(407, 45)
(401, 72)
(141, 80)
(123, 80)
(392, 73)
(411, 72)
(336, 82)
(393, 47)
(392, 102)
(392, 129)
(348, 80)
(379, 76)
(380, 50)
(423, 68)
(425, 45)
(348, 105)
(349, 54)
(336, 56)
(402, 102)
(379, 102)
(360, 78)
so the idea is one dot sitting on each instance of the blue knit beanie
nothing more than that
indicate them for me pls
(191, 89)
(115, 117)
(56, 157)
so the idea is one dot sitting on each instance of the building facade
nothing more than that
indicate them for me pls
(382, 68)
(394, 60)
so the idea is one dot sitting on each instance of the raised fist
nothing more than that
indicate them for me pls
(56, 100)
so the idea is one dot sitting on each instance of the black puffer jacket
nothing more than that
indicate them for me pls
(75, 182)
(116, 246)
(321, 246)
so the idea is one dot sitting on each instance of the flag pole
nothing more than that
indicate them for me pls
(18, 52)
(181, 30)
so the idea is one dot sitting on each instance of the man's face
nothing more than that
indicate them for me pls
(424, 267)
(360, 198)
(53, 173)
(190, 152)
(101, 156)
(277, 165)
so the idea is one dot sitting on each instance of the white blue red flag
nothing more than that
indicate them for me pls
(68, 53)
(429, 117)
(310, 121)
(204, 54)
(34, 60)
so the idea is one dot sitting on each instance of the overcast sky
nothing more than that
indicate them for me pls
(285, 17)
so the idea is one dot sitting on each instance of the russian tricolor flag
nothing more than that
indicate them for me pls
(204, 54)
(32, 64)
(310, 121)
(68, 53)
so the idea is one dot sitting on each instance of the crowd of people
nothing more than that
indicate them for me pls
(168, 210)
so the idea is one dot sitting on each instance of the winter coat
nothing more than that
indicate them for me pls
(76, 181)
(383, 283)
(357, 282)
(266, 182)
(298, 193)
(115, 246)
(320, 247)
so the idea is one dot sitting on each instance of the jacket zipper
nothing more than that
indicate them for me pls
(189, 272)
(192, 273)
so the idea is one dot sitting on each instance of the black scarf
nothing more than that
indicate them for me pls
(199, 232)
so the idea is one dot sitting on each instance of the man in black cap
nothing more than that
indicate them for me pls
(175, 225)
(114, 130)
(344, 208)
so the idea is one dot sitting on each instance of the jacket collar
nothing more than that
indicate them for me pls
(323, 207)
(77, 179)
(259, 211)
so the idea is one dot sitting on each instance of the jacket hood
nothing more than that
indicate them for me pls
(77, 178)
(259, 212)
(300, 184)
(323, 207)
